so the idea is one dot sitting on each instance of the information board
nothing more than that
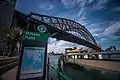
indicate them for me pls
(32, 62)
(33, 58)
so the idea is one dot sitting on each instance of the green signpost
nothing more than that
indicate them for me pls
(32, 63)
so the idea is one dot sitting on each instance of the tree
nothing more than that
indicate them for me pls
(12, 36)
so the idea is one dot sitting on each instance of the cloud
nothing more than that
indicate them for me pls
(103, 39)
(97, 35)
(81, 12)
(95, 28)
(82, 2)
(87, 7)
(68, 3)
(100, 4)
(46, 6)
(90, 1)
(59, 46)
(116, 9)
(112, 30)
(72, 3)
(96, 32)
(82, 18)
(52, 40)
(104, 32)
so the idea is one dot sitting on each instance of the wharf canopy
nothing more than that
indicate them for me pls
(75, 50)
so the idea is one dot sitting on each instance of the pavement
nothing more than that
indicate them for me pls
(10, 75)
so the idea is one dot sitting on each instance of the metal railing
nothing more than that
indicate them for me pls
(61, 74)
(59, 71)
(7, 63)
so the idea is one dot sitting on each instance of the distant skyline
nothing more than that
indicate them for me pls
(100, 17)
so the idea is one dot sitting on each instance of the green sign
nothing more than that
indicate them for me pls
(26, 35)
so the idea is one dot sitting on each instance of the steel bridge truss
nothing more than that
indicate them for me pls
(66, 25)
(59, 28)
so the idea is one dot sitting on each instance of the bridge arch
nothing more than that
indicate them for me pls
(62, 28)
(66, 25)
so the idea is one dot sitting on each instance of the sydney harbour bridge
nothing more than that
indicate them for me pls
(59, 28)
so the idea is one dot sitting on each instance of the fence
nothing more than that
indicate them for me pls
(7, 63)
(59, 71)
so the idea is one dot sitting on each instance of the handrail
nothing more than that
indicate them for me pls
(8, 58)
(64, 77)
(7, 63)
(7, 67)
(59, 71)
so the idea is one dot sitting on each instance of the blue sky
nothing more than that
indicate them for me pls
(100, 17)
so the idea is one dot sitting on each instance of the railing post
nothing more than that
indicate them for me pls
(81, 56)
(59, 69)
(96, 56)
(61, 75)
(109, 56)
(48, 66)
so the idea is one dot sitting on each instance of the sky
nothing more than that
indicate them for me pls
(100, 17)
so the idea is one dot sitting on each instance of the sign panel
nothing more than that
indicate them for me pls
(34, 36)
(32, 62)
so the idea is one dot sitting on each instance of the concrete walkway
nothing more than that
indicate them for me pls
(80, 73)
(10, 75)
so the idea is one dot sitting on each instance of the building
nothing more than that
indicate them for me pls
(80, 53)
